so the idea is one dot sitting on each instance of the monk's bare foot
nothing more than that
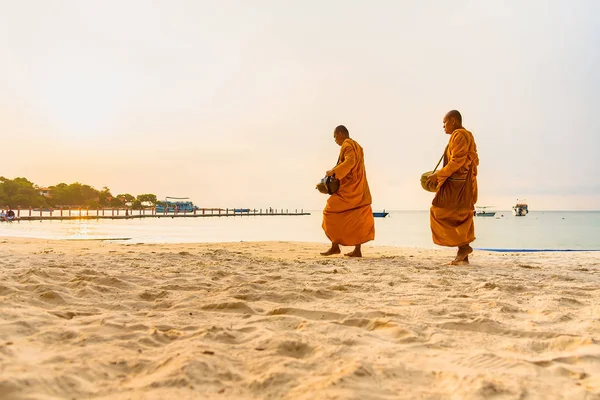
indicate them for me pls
(333, 250)
(354, 253)
(463, 262)
(462, 254)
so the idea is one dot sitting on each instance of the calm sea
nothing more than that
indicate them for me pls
(575, 230)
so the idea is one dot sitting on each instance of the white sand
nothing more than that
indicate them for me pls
(273, 320)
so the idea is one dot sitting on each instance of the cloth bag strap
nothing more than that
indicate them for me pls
(441, 158)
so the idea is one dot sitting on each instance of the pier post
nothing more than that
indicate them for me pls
(103, 211)
(61, 211)
(18, 211)
(113, 211)
(87, 212)
(51, 211)
(30, 211)
(41, 209)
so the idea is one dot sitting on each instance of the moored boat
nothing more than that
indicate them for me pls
(175, 205)
(520, 209)
(484, 211)
(380, 214)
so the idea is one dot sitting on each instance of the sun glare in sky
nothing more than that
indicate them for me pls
(185, 96)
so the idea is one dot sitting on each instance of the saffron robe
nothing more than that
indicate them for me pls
(452, 210)
(348, 217)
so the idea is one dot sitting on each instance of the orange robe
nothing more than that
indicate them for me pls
(348, 217)
(451, 213)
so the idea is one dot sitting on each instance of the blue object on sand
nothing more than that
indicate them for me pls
(530, 250)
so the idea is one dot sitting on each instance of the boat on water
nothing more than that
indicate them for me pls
(380, 214)
(484, 211)
(520, 209)
(176, 205)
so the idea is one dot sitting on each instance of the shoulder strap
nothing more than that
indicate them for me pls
(441, 158)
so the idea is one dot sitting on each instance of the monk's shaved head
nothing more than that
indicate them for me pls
(343, 130)
(456, 115)
(452, 121)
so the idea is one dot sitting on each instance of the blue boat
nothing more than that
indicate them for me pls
(380, 214)
(176, 205)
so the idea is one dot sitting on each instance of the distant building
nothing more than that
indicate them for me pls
(46, 192)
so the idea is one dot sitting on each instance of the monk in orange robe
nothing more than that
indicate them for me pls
(348, 217)
(452, 209)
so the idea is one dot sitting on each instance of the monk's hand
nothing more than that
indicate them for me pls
(432, 181)
(329, 173)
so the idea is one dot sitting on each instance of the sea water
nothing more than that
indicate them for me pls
(561, 230)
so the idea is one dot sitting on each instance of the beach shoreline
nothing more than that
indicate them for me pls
(97, 319)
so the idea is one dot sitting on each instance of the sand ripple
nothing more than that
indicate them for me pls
(271, 320)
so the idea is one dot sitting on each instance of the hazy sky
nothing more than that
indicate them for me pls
(233, 103)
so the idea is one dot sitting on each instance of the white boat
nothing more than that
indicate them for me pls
(520, 209)
(484, 211)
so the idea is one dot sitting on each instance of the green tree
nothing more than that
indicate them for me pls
(137, 205)
(104, 196)
(20, 192)
(126, 198)
(150, 198)
(75, 194)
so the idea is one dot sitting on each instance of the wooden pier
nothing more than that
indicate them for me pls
(126, 213)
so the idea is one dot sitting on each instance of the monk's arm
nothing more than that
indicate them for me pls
(458, 149)
(343, 168)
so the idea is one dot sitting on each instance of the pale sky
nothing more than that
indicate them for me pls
(233, 103)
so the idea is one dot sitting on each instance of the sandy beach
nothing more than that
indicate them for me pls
(92, 319)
